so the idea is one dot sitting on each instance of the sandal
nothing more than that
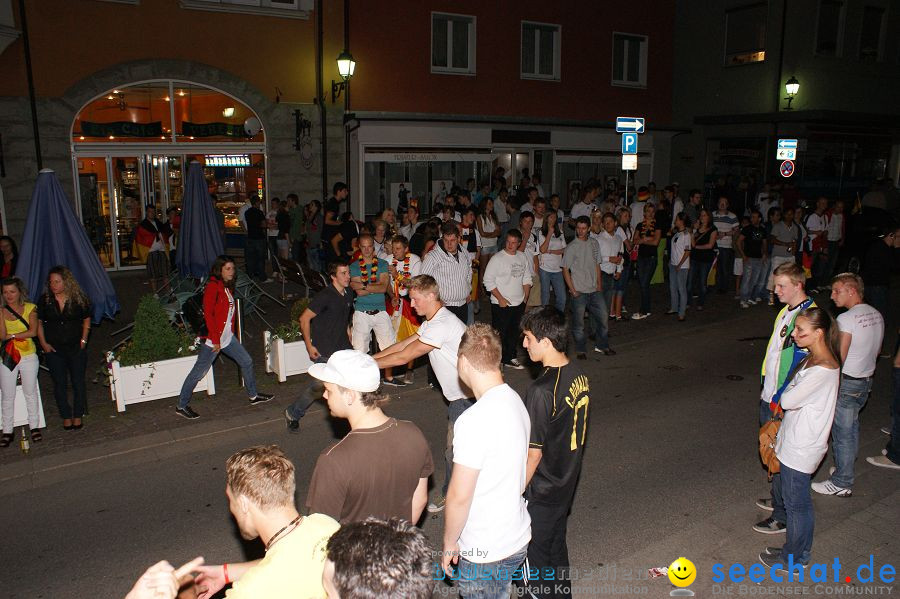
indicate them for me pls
(36, 436)
(6, 439)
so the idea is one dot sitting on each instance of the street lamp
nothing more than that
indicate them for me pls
(346, 67)
(791, 87)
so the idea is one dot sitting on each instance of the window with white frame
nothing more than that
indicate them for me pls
(871, 37)
(629, 60)
(830, 30)
(745, 34)
(540, 51)
(452, 43)
(298, 9)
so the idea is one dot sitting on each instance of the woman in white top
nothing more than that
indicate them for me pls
(625, 232)
(679, 265)
(808, 402)
(611, 258)
(488, 228)
(552, 245)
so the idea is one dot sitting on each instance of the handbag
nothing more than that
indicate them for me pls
(767, 435)
(9, 353)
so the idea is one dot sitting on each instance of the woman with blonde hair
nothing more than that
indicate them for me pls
(64, 315)
(18, 326)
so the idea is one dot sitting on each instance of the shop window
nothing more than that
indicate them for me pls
(452, 44)
(540, 51)
(745, 34)
(830, 31)
(871, 34)
(629, 65)
(298, 9)
(166, 111)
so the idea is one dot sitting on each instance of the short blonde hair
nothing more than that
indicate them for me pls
(481, 346)
(262, 474)
(793, 271)
(424, 284)
(851, 279)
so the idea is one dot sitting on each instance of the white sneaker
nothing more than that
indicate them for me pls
(745, 304)
(886, 430)
(639, 316)
(829, 488)
(437, 505)
(514, 363)
(882, 461)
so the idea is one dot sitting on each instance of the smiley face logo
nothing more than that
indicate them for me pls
(682, 572)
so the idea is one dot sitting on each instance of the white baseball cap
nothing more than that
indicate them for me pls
(350, 369)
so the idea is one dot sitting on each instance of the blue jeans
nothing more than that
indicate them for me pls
(559, 289)
(801, 519)
(454, 411)
(699, 277)
(725, 270)
(893, 446)
(646, 268)
(622, 283)
(313, 391)
(753, 280)
(594, 305)
(491, 580)
(609, 289)
(845, 430)
(205, 359)
(678, 289)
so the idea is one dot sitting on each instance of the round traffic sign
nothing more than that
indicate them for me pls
(787, 168)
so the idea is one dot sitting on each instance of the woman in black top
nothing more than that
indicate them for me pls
(64, 321)
(646, 236)
(702, 256)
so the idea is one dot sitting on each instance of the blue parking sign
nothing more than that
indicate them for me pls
(629, 143)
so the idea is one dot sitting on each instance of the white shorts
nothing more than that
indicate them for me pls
(364, 324)
(738, 266)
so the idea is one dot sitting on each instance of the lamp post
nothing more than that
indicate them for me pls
(346, 67)
(791, 87)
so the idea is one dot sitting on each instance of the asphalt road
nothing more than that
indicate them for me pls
(670, 469)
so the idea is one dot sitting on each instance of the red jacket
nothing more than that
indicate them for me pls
(215, 309)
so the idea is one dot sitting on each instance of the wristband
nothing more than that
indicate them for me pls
(225, 571)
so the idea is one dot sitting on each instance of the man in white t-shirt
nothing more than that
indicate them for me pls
(727, 228)
(862, 332)
(508, 279)
(487, 527)
(817, 229)
(438, 337)
(585, 206)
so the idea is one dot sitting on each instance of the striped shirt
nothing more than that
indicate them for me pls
(452, 273)
(725, 224)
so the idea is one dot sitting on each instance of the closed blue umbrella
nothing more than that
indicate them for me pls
(199, 240)
(53, 235)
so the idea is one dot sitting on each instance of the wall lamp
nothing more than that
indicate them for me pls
(346, 67)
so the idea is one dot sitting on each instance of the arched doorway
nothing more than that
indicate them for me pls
(131, 146)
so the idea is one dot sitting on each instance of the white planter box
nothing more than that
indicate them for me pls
(285, 359)
(146, 382)
(20, 412)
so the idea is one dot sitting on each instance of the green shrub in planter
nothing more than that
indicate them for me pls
(290, 331)
(154, 338)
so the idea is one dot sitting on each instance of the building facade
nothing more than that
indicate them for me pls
(733, 61)
(455, 89)
(128, 93)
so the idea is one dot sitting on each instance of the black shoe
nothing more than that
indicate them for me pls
(394, 382)
(261, 398)
(187, 412)
(581, 356)
(293, 426)
(6, 439)
(770, 526)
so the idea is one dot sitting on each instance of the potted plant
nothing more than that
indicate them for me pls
(285, 349)
(155, 361)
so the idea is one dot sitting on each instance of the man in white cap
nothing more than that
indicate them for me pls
(381, 467)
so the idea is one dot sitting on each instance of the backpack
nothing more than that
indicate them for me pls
(192, 310)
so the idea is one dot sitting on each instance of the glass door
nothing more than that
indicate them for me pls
(128, 202)
(96, 210)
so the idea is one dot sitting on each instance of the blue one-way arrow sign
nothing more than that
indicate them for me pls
(787, 143)
(629, 124)
(629, 143)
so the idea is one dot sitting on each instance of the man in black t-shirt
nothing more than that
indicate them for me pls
(325, 325)
(255, 248)
(557, 403)
(751, 247)
(333, 211)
